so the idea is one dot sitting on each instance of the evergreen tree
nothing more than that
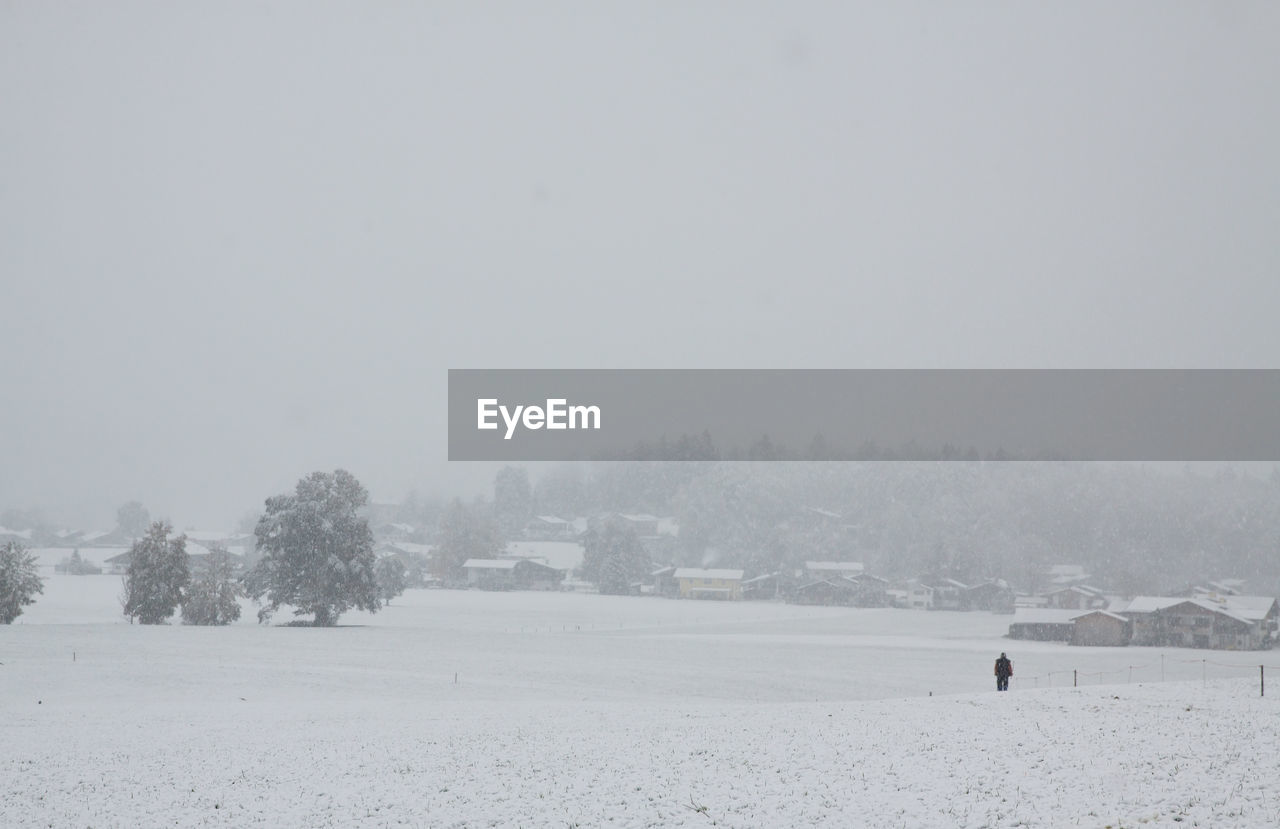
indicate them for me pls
(19, 581)
(316, 550)
(512, 500)
(465, 532)
(561, 491)
(211, 599)
(392, 577)
(132, 519)
(614, 557)
(157, 576)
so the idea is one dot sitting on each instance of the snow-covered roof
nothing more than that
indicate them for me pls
(411, 547)
(698, 573)
(638, 516)
(835, 566)
(211, 535)
(490, 563)
(839, 584)
(1079, 588)
(1148, 604)
(761, 577)
(200, 551)
(550, 519)
(1106, 613)
(563, 555)
(1216, 607)
(1246, 609)
(1250, 607)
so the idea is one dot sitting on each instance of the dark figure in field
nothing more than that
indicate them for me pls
(1004, 670)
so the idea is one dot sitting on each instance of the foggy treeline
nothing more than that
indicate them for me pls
(1135, 529)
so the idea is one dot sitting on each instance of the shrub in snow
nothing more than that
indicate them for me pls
(75, 565)
(317, 550)
(157, 576)
(392, 578)
(211, 598)
(19, 581)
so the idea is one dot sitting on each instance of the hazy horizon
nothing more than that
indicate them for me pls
(241, 243)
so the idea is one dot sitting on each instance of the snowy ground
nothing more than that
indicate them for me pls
(586, 710)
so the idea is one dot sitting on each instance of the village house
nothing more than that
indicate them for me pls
(642, 523)
(1101, 627)
(550, 528)
(395, 531)
(948, 594)
(1076, 597)
(418, 560)
(912, 594)
(870, 591)
(118, 565)
(1063, 575)
(1141, 611)
(511, 574)
(199, 556)
(696, 583)
(821, 570)
(1043, 625)
(1219, 625)
(664, 582)
(995, 596)
(834, 592)
(764, 586)
(1226, 587)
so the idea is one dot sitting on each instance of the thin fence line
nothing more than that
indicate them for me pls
(1077, 675)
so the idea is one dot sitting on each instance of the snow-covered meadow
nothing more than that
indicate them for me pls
(464, 708)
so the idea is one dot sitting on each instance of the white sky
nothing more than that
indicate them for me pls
(243, 241)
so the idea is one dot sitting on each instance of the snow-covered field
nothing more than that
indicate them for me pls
(459, 708)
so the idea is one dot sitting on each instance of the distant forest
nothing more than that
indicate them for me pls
(1134, 529)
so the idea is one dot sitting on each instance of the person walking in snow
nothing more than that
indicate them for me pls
(1004, 670)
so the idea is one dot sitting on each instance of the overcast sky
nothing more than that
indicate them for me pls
(243, 241)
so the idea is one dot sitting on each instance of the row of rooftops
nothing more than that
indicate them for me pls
(1247, 609)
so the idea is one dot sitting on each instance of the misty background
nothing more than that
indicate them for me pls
(241, 242)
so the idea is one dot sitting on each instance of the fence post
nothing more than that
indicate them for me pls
(1162, 667)
(1262, 680)
(1075, 678)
